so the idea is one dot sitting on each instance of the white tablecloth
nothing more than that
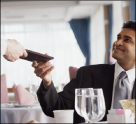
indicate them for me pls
(24, 115)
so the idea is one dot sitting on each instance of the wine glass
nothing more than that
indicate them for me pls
(93, 106)
(78, 98)
(33, 89)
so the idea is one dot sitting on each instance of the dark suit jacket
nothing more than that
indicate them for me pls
(95, 76)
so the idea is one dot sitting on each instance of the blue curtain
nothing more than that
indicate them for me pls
(132, 10)
(110, 16)
(81, 29)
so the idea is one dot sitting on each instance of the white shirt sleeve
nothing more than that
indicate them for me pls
(3, 46)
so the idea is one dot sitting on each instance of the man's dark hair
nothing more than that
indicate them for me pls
(130, 24)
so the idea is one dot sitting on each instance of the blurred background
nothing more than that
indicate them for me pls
(75, 33)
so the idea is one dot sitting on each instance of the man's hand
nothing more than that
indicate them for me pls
(33, 121)
(14, 50)
(43, 70)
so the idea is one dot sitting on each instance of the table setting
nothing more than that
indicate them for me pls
(25, 107)
(90, 104)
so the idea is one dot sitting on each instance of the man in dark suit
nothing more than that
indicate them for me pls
(103, 76)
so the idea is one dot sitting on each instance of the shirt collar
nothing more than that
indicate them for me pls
(130, 73)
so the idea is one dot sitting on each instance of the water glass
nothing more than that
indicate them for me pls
(93, 106)
(79, 93)
(33, 90)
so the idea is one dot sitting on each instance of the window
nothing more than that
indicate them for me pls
(56, 39)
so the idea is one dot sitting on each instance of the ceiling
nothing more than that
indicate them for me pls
(32, 11)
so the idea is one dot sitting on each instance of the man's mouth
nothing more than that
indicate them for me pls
(118, 49)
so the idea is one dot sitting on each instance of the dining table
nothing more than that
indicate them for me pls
(14, 113)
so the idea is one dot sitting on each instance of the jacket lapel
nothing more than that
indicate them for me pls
(105, 81)
(134, 91)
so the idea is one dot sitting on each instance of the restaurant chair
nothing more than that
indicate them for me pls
(72, 72)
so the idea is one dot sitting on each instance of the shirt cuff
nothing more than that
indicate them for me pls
(45, 86)
(42, 90)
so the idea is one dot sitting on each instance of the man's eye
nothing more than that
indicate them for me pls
(127, 40)
(118, 38)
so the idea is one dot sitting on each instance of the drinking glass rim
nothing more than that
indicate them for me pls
(90, 95)
(88, 88)
(64, 110)
(82, 88)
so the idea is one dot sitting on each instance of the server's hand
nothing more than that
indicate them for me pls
(14, 50)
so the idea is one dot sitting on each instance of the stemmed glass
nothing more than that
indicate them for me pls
(79, 93)
(33, 89)
(90, 104)
(93, 106)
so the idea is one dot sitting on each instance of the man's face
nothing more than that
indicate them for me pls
(124, 48)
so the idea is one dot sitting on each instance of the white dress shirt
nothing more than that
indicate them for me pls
(130, 80)
(3, 46)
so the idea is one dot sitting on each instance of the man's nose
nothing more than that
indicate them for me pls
(119, 42)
